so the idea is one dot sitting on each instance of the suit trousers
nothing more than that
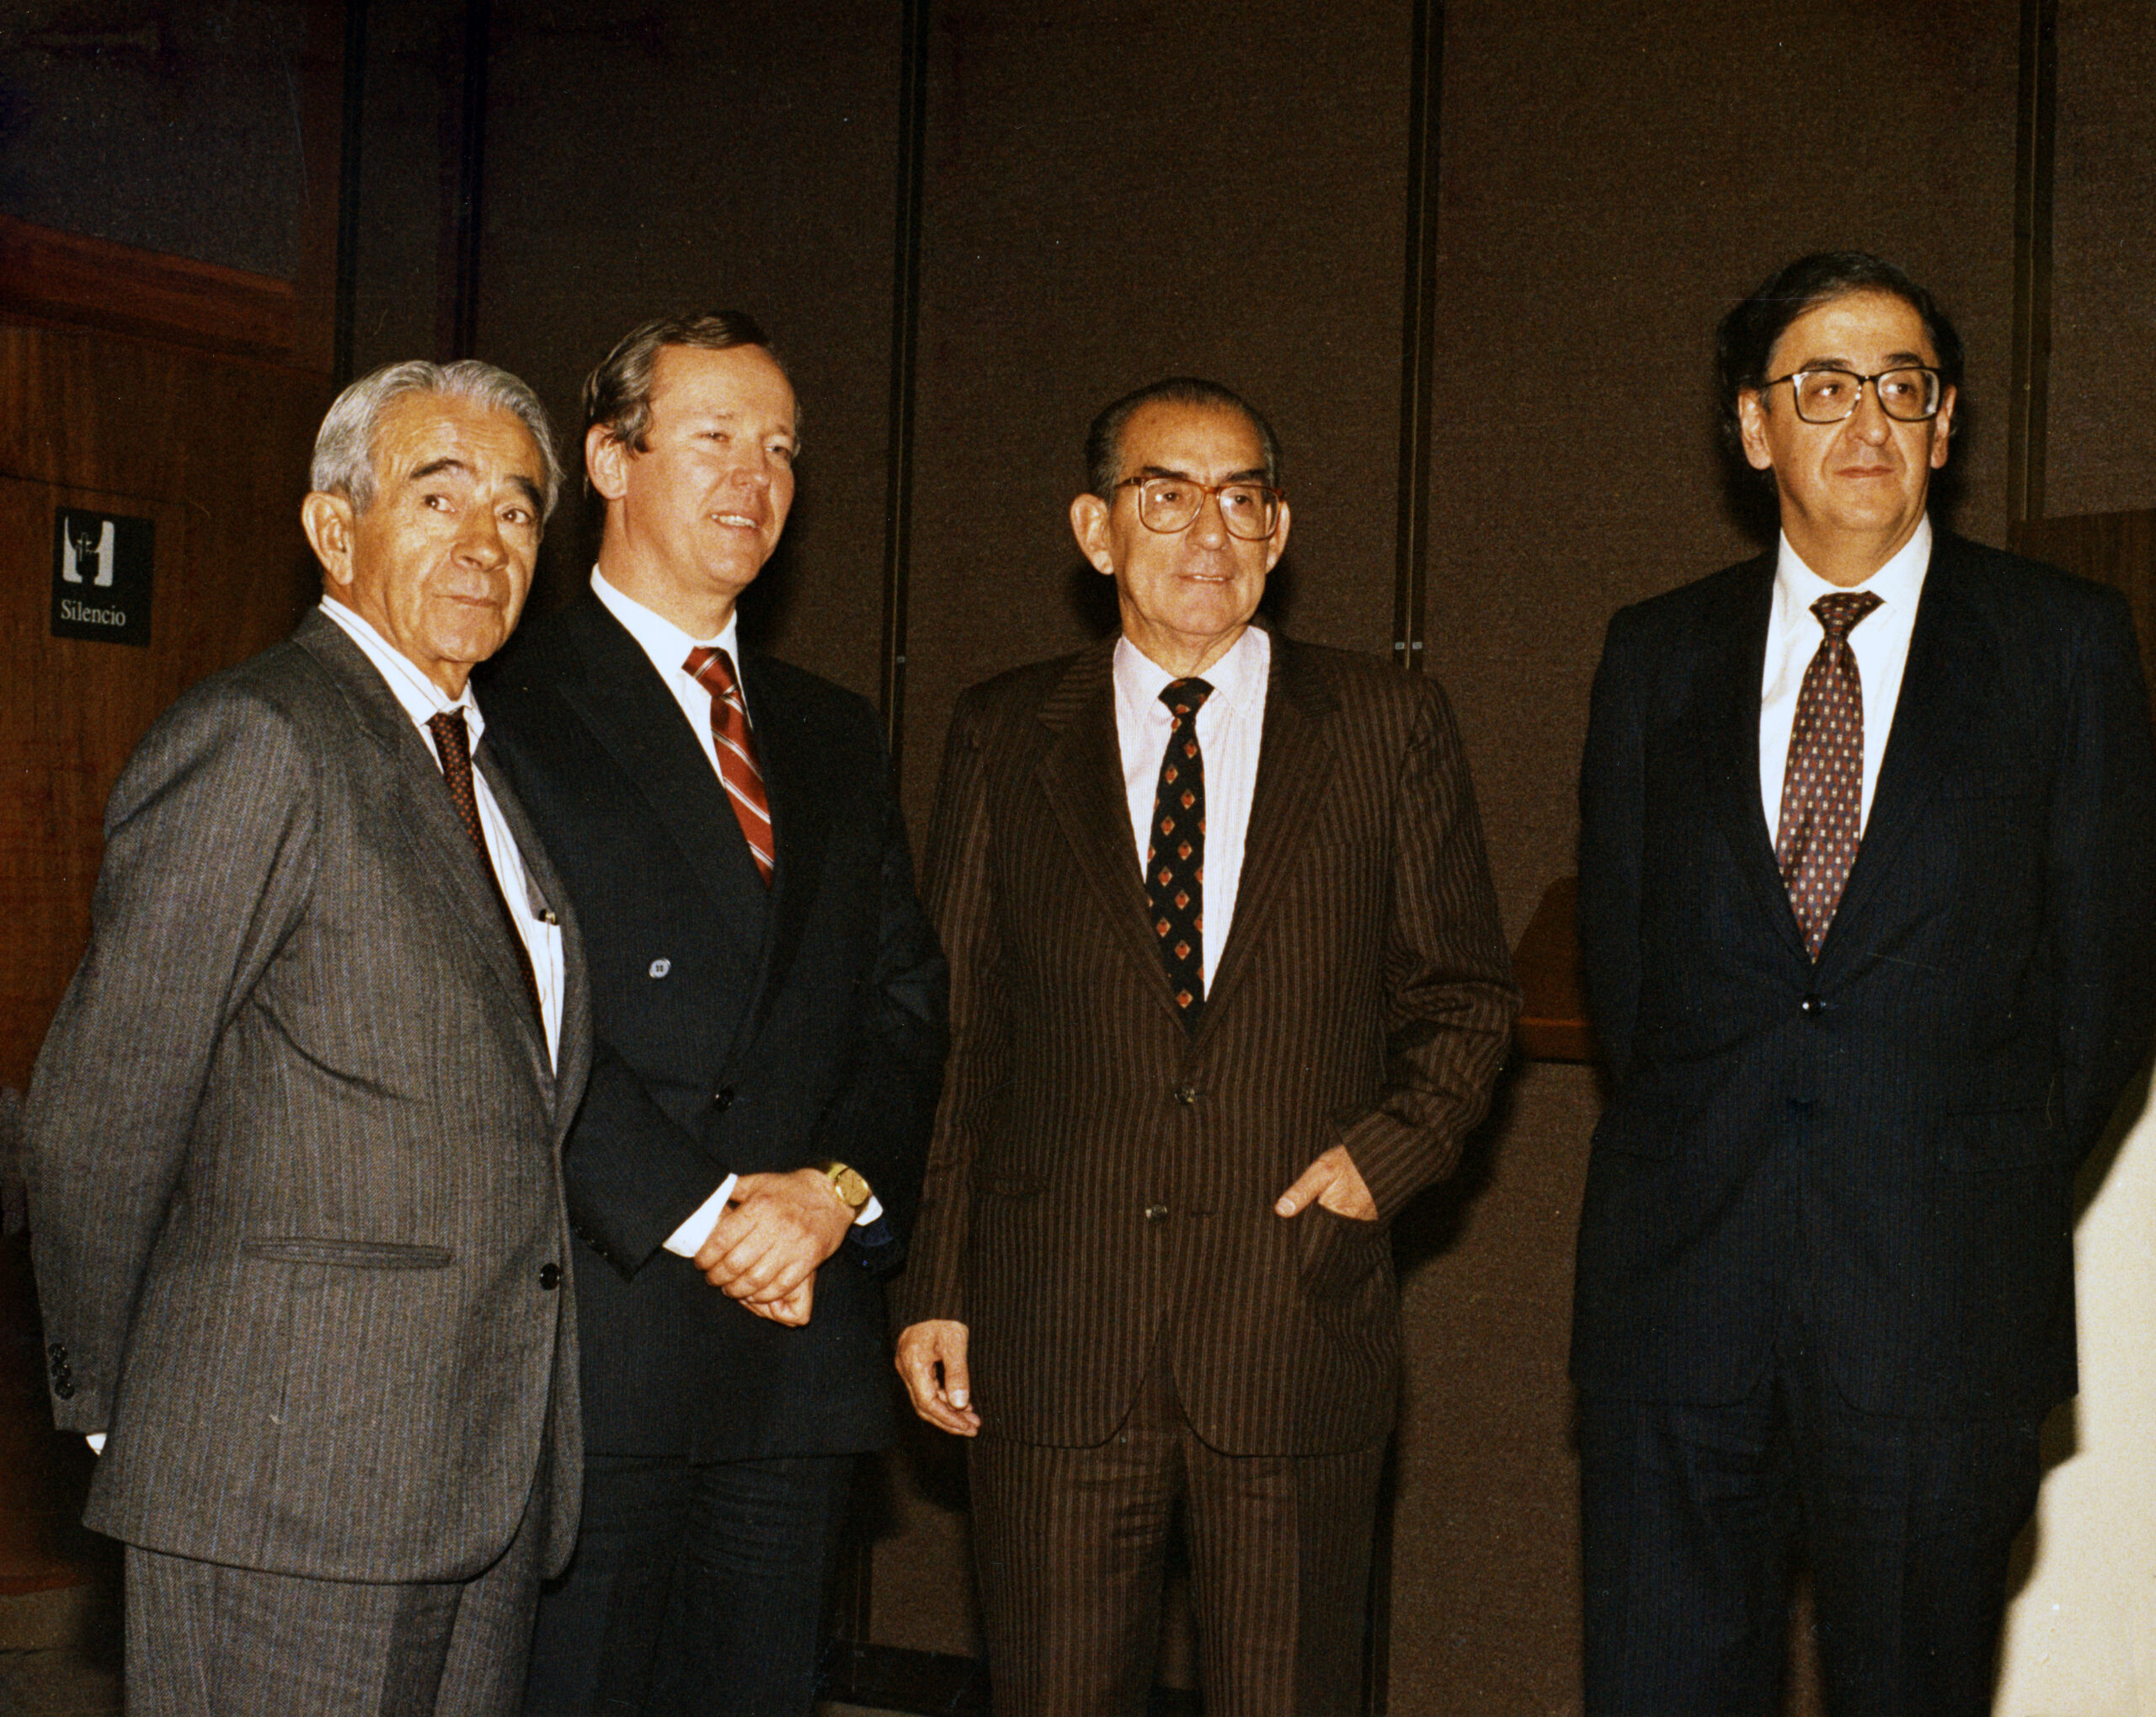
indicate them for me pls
(1689, 1515)
(696, 1588)
(206, 1639)
(1071, 1547)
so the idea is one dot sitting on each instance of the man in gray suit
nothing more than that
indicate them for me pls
(293, 1136)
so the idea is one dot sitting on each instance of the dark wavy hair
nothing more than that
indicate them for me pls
(1746, 340)
(618, 392)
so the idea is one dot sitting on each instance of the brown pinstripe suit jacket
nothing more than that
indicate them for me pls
(1098, 1176)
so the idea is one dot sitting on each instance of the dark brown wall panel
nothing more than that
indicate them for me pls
(2100, 450)
(695, 157)
(1129, 192)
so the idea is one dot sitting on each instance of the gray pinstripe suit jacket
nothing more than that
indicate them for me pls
(1098, 1175)
(294, 1149)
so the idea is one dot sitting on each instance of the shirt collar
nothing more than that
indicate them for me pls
(1899, 583)
(420, 697)
(664, 642)
(1236, 678)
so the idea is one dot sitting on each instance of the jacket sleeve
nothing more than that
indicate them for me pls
(1612, 825)
(962, 901)
(1449, 995)
(878, 1122)
(2100, 862)
(211, 849)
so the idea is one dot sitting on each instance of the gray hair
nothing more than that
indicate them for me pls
(343, 447)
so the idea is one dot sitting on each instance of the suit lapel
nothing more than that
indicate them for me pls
(800, 798)
(1081, 774)
(1940, 705)
(572, 1058)
(1733, 658)
(441, 850)
(1295, 759)
(635, 719)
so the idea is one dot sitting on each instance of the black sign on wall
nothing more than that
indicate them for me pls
(100, 576)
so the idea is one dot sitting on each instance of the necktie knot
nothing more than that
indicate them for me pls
(1839, 614)
(1186, 697)
(713, 670)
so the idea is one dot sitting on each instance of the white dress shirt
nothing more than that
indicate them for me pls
(1879, 642)
(668, 647)
(1230, 723)
(421, 699)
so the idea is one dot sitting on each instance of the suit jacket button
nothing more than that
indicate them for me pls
(722, 1099)
(65, 1389)
(1811, 1005)
(1156, 1212)
(56, 1352)
(550, 1276)
(1185, 1095)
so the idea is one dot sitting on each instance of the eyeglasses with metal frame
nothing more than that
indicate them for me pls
(1908, 393)
(1168, 504)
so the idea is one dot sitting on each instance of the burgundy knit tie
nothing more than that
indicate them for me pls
(1822, 787)
(453, 742)
(1175, 858)
(713, 670)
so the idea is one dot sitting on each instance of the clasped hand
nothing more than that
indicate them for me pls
(776, 1233)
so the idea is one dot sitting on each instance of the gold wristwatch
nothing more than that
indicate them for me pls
(852, 1191)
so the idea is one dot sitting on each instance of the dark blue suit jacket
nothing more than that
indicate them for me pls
(736, 1030)
(1883, 1143)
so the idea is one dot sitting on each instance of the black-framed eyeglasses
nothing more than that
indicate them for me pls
(1908, 393)
(1168, 504)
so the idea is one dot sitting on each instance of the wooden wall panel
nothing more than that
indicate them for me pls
(215, 452)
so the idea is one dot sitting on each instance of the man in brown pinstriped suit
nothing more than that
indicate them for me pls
(1228, 986)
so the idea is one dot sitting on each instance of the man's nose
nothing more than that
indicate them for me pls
(1210, 526)
(480, 542)
(1869, 419)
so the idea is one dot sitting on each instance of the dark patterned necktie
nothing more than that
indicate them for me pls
(453, 741)
(1822, 786)
(1174, 859)
(713, 670)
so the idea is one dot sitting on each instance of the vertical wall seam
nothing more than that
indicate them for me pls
(906, 328)
(463, 332)
(2036, 139)
(346, 310)
(1418, 338)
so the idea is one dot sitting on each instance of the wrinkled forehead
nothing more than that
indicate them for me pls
(1860, 330)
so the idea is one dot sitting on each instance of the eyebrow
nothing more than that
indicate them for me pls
(1895, 360)
(435, 467)
(1254, 473)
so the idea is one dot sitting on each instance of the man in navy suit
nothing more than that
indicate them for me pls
(767, 1004)
(1867, 887)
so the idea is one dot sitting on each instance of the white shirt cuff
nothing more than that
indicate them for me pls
(688, 1240)
(96, 1441)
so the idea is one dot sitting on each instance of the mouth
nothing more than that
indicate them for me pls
(737, 521)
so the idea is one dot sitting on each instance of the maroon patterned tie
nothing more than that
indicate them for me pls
(453, 742)
(1174, 859)
(1822, 786)
(713, 670)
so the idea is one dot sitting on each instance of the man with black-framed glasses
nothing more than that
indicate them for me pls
(1867, 912)
(1228, 987)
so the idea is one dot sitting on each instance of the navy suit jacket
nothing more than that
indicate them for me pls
(736, 1029)
(1883, 1143)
